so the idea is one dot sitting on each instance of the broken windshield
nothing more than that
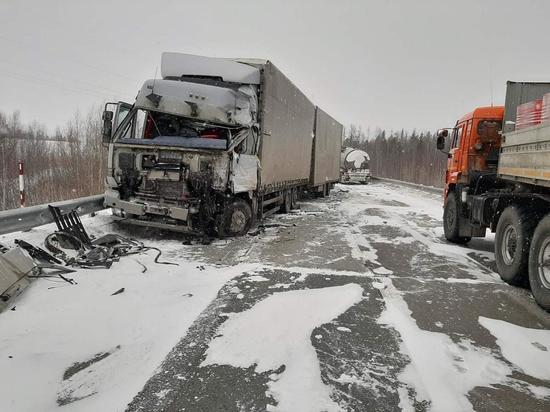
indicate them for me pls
(145, 127)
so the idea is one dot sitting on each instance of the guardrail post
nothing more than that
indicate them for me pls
(21, 184)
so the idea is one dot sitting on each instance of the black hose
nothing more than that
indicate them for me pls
(158, 255)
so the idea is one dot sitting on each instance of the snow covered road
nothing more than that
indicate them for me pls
(356, 303)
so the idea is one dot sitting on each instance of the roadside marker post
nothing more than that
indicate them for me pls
(21, 184)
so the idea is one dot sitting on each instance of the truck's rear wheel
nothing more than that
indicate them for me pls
(512, 240)
(539, 264)
(236, 219)
(451, 221)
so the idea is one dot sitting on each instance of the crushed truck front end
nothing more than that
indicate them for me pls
(165, 187)
(186, 149)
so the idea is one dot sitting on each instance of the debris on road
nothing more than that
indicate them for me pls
(118, 292)
(22, 263)
(15, 265)
(72, 244)
(37, 253)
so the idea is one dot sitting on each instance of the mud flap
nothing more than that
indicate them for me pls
(466, 229)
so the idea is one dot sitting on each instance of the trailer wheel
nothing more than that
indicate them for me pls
(287, 201)
(451, 221)
(236, 219)
(321, 191)
(512, 239)
(294, 198)
(539, 264)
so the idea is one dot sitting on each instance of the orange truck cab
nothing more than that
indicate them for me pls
(475, 143)
(472, 165)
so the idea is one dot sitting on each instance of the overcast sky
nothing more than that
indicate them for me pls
(392, 64)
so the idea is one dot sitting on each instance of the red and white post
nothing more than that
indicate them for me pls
(21, 184)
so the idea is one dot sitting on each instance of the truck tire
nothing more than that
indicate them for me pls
(451, 221)
(539, 264)
(236, 219)
(512, 240)
(286, 207)
(294, 198)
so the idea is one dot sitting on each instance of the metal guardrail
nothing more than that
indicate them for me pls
(430, 189)
(15, 220)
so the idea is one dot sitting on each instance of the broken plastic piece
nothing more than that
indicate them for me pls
(15, 266)
(70, 222)
(37, 253)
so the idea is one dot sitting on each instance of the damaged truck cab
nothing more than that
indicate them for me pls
(186, 150)
(215, 144)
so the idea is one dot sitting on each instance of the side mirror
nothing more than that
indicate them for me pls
(440, 143)
(107, 126)
(441, 136)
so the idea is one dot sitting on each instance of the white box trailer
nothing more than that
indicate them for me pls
(325, 166)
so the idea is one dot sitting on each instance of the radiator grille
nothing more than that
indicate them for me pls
(126, 161)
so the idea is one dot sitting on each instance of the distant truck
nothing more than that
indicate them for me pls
(498, 178)
(215, 144)
(354, 165)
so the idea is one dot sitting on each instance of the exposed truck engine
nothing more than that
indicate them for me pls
(215, 144)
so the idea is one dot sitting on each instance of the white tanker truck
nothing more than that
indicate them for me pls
(354, 166)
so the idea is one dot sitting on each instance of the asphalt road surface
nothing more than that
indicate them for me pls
(358, 304)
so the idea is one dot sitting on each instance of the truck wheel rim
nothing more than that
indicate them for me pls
(544, 263)
(238, 221)
(509, 245)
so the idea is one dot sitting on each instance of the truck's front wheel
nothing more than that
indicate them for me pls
(539, 264)
(451, 221)
(512, 239)
(236, 219)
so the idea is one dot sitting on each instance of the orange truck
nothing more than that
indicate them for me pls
(498, 178)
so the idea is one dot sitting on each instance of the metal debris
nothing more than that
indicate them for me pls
(37, 253)
(72, 244)
(15, 266)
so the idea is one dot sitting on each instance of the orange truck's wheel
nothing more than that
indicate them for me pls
(451, 221)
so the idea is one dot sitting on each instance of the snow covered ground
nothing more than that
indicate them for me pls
(355, 302)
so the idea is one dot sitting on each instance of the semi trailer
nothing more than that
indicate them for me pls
(215, 144)
(498, 178)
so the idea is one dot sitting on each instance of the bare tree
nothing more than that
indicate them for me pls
(69, 164)
(403, 155)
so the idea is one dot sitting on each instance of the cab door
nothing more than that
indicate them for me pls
(455, 154)
(122, 110)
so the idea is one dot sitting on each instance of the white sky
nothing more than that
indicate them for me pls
(393, 64)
